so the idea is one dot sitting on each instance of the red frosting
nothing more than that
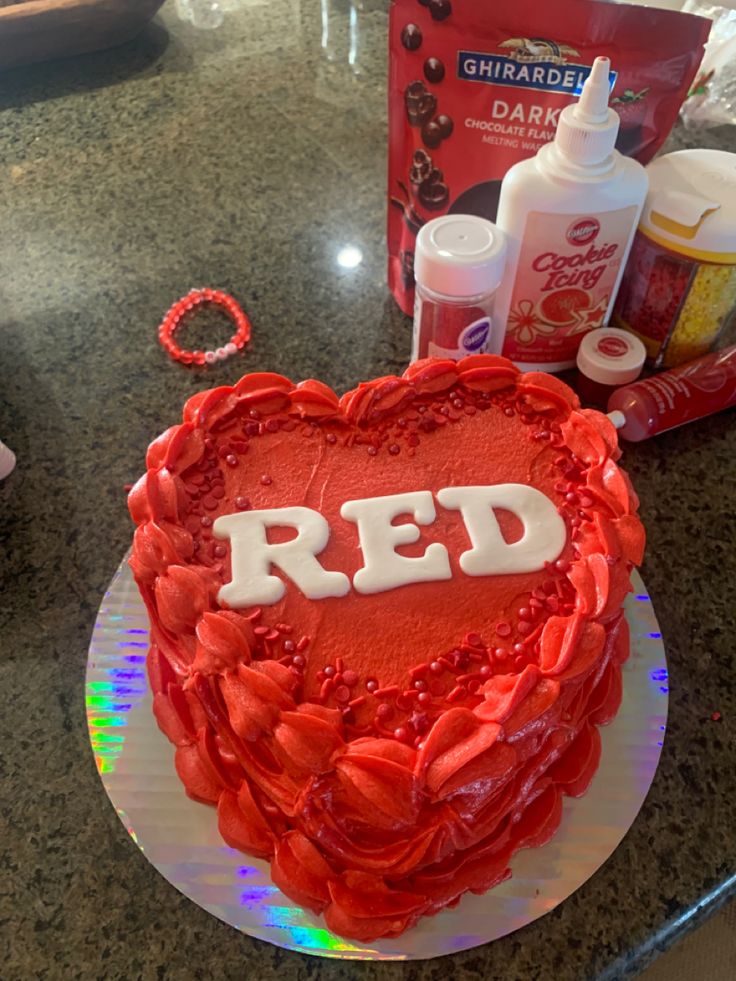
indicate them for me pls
(386, 752)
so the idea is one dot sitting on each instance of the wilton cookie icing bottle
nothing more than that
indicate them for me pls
(569, 215)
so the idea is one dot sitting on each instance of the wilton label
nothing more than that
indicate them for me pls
(566, 276)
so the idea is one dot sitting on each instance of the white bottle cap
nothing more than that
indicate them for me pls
(610, 356)
(587, 130)
(460, 255)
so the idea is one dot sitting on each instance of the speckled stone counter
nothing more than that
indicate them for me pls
(247, 156)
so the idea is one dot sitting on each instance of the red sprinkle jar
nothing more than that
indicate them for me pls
(458, 265)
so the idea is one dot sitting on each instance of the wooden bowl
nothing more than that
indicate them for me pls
(38, 30)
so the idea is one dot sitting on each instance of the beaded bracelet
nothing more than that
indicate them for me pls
(197, 298)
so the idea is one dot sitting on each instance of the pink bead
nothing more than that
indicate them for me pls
(221, 353)
(231, 348)
(210, 357)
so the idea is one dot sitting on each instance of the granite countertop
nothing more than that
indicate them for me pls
(247, 156)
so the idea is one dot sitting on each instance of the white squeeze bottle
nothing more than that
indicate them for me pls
(569, 215)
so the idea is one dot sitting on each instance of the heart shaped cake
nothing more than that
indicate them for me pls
(386, 627)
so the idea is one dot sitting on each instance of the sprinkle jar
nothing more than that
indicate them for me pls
(679, 288)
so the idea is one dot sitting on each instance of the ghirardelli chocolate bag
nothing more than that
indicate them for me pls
(477, 85)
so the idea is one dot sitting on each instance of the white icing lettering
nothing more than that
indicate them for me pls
(544, 534)
(252, 556)
(383, 567)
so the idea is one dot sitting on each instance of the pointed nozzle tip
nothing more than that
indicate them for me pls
(601, 69)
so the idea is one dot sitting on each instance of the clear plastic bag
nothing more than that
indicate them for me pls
(712, 101)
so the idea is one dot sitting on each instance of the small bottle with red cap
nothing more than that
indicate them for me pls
(607, 358)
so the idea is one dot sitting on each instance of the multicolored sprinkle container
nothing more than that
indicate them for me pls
(679, 287)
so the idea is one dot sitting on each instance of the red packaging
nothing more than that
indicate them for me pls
(691, 391)
(476, 86)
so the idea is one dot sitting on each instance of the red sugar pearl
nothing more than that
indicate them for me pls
(393, 449)
(242, 503)
(289, 646)
(329, 671)
(525, 613)
(372, 450)
(220, 551)
(436, 668)
(424, 698)
(561, 565)
(298, 661)
(401, 734)
(420, 685)
(524, 627)
(519, 649)
(486, 671)
(231, 460)
(371, 685)
(266, 480)
(331, 438)
(501, 653)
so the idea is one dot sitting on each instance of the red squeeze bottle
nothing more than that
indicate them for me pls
(669, 400)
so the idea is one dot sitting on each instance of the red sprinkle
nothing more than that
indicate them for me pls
(261, 631)
(339, 664)
(458, 692)
(357, 702)
(326, 688)
(303, 644)
(388, 692)
(715, 717)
